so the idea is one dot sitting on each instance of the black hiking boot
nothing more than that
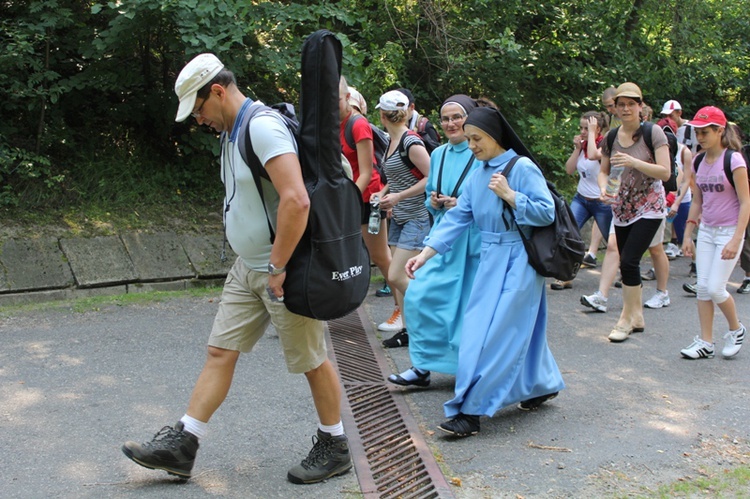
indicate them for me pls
(329, 457)
(172, 450)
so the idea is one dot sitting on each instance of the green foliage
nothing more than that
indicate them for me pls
(552, 139)
(89, 103)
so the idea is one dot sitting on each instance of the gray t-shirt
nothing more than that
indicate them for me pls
(640, 196)
(244, 215)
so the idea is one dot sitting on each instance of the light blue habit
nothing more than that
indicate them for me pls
(503, 357)
(435, 301)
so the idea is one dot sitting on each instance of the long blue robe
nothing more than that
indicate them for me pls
(503, 357)
(435, 301)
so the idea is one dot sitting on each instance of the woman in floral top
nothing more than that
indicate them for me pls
(639, 205)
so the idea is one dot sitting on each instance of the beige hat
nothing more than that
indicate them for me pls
(629, 89)
(201, 70)
(356, 100)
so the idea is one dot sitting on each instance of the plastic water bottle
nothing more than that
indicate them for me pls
(613, 183)
(374, 226)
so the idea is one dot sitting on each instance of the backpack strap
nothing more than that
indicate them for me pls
(349, 131)
(727, 165)
(647, 132)
(506, 173)
(403, 152)
(244, 144)
(697, 161)
(611, 136)
(461, 179)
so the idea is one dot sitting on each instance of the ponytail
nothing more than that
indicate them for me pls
(730, 139)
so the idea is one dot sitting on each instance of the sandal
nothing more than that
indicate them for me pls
(557, 285)
(400, 339)
(422, 379)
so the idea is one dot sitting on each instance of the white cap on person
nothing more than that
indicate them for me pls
(669, 106)
(393, 101)
(196, 73)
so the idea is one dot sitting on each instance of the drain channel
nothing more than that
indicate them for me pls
(390, 455)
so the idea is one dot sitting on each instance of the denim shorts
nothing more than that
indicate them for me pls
(409, 235)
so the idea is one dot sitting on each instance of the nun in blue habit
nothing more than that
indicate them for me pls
(503, 357)
(434, 304)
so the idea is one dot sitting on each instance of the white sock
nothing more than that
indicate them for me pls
(333, 430)
(192, 425)
(412, 373)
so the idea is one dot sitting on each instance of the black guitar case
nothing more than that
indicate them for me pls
(328, 275)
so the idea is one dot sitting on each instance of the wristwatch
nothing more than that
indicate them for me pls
(275, 270)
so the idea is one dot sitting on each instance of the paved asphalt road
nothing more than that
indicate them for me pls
(74, 385)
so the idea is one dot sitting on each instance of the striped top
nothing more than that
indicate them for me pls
(401, 178)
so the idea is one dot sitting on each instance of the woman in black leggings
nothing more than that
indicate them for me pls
(634, 172)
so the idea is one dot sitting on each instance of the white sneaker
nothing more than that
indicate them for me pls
(733, 342)
(394, 324)
(698, 349)
(597, 301)
(672, 251)
(659, 300)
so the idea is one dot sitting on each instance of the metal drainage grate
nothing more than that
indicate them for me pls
(390, 455)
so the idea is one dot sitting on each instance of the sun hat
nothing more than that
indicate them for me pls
(629, 89)
(707, 116)
(196, 73)
(669, 106)
(393, 101)
(356, 100)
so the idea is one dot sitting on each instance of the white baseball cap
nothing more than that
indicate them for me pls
(669, 106)
(201, 70)
(393, 101)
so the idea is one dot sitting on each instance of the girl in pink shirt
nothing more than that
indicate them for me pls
(724, 211)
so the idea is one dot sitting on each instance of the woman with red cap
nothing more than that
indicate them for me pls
(722, 204)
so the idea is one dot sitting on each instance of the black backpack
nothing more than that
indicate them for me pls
(727, 162)
(424, 129)
(671, 184)
(380, 142)
(557, 249)
(328, 275)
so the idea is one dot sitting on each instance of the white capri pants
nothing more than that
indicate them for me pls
(713, 272)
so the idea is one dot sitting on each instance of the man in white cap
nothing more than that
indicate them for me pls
(253, 294)
(685, 134)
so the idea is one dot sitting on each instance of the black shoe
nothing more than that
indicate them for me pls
(533, 404)
(618, 283)
(462, 425)
(400, 339)
(422, 379)
(690, 288)
(329, 457)
(589, 260)
(384, 291)
(744, 287)
(172, 450)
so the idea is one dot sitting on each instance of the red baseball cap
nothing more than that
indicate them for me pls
(707, 116)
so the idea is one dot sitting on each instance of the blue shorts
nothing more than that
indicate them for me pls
(409, 235)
